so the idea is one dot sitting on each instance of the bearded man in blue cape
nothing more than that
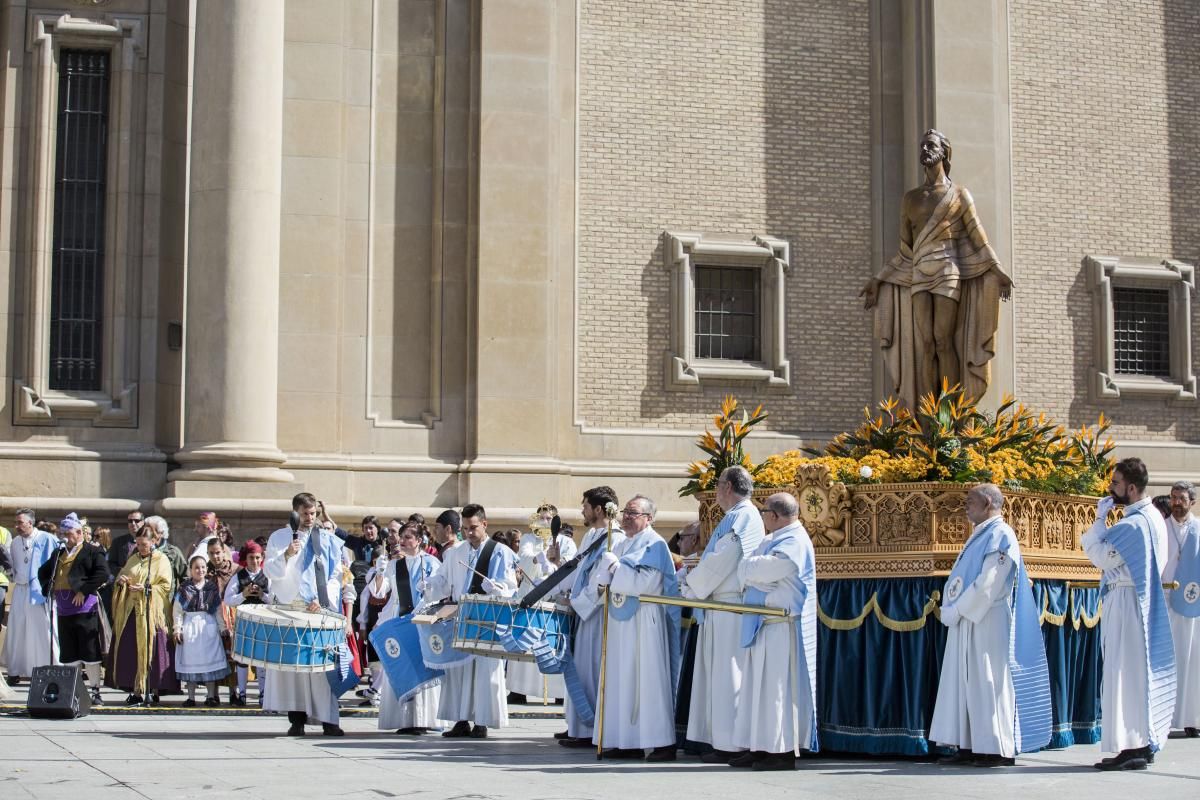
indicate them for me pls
(1137, 693)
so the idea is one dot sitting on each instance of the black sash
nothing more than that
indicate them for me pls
(404, 596)
(244, 580)
(481, 567)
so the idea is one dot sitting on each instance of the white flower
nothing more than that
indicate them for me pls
(865, 472)
(610, 510)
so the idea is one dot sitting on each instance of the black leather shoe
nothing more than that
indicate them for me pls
(331, 730)
(747, 759)
(1191, 733)
(563, 735)
(1126, 759)
(461, 729)
(479, 732)
(717, 757)
(212, 702)
(412, 731)
(664, 753)
(237, 699)
(189, 703)
(619, 752)
(296, 730)
(775, 761)
(13, 680)
(513, 697)
(133, 700)
(993, 760)
(575, 741)
(961, 758)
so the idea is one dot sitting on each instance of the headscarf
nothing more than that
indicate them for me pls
(70, 522)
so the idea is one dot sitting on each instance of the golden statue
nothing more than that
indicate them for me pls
(937, 302)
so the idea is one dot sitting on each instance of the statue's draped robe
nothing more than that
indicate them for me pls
(949, 256)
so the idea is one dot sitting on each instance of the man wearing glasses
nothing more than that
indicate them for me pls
(717, 678)
(123, 545)
(642, 665)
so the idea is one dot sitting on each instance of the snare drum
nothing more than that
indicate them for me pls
(287, 639)
(479, 615)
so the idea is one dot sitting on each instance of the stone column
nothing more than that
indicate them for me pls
(232, 318)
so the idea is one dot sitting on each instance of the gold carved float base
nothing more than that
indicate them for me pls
(912, 530)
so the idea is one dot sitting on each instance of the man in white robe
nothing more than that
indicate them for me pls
(416, 714)
(988, 604)
(642, 665)
(305, 569)
(1137, 694)
(27, 642)
(583, 593)
(1183, 605)
(475, 691)
(776, 711)
(717, 678)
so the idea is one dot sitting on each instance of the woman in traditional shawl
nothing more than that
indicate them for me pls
(141, 663)
(199, 655)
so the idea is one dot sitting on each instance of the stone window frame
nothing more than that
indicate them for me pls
(1179, 278)
(772, 257)
(116, 403)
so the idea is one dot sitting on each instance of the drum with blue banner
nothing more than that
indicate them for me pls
(483, 620)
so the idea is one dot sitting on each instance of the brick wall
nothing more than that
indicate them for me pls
(731, 118)
(1106, 129)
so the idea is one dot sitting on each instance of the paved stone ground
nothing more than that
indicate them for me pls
(182, 756)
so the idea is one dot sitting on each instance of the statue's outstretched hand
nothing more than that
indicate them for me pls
(870, 293)
(1005, 283)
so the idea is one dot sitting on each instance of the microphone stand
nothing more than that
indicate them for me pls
(151, 633)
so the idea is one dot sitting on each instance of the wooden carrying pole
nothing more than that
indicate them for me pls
(610, 511)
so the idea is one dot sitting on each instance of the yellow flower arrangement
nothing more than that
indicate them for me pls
(947, 439)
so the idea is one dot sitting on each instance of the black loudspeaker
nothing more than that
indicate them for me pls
(58, 692)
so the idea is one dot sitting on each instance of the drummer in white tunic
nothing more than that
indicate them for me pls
(1183, 605)
(476, 691)
(405, 575)
(304, 566)
(534, 566)
(717, 678)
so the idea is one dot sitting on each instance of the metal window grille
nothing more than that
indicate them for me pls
(1141, 331)
(80, 183)
(727, 313)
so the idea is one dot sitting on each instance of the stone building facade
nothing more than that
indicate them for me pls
(408, 254)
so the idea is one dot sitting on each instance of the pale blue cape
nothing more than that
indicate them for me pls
(1026, 648)
(648, 550)
(1185, 600)
(1131, 538)
(788, 543)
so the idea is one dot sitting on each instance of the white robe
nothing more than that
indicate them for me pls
(639, 702)
(1185, 632)
(1125, 717)
(476, 691)
(589, 611)
(309, 692)
(774, 713)
(717, 677)
(420, 710)
(27, 641)
(976, 703)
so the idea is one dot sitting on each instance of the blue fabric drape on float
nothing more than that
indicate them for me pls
(1072, 635)
(875, 686)
(880, 657)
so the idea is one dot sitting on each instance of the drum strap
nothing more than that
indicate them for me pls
(320, 571)
(404, 596)
(481, 567)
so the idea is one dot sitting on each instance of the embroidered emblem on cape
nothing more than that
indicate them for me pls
(436, 645)
(1191, 592)
(392, 648)
(617, 600)
(955, 588)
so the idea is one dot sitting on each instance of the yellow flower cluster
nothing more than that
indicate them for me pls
(780, 469)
